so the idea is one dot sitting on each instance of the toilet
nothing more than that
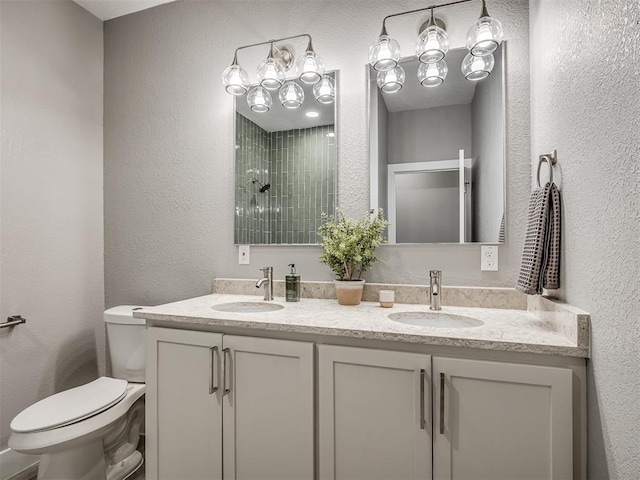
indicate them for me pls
(92, 431)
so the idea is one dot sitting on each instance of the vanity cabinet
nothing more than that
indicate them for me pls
(490, 420)
(224, 406)
(228, 407)
(495, 420)
(373, 410)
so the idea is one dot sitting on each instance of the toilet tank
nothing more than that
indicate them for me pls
(127, 343)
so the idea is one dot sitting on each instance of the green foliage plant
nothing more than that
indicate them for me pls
(349, 245)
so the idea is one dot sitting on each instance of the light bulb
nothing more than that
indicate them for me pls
(235, 80)
(291, 95)
(432, 45)
(384, 54)
(432, 74)
(484, 37)
(325, 90)
(392, 80)
(259, 99)
(270, 74)
(476, 68)
(310, 67)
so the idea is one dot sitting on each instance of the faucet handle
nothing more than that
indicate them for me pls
(435, 273)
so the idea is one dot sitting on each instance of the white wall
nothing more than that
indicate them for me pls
(585, 99)
(488, 147)
(169, 141)
(382, 123)
(441, 133)
(51, 200)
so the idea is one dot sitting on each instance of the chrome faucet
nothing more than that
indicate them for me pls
(267, 281)
(435, 277)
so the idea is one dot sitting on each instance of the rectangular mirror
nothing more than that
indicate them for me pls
(437, 155)
(285, 169)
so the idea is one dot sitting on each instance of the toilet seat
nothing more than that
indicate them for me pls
(71, 406)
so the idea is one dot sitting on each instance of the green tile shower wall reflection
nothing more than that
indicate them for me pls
(300, 167)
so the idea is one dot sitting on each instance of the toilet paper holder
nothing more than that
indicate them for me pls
(12, 321)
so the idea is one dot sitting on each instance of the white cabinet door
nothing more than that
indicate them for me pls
(268, 409)
(183, 407)
(501, 421)
(374, 416)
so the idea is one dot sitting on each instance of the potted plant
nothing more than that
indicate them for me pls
(349, 250)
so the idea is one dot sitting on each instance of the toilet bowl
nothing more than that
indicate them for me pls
(92, 431)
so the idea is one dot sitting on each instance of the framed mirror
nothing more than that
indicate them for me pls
(285, 169)
(437, 155)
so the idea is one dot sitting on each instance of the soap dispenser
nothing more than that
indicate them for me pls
(292, 285)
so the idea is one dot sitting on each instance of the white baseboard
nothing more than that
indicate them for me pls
(13, 463)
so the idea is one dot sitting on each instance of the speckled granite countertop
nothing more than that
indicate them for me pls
(503, 329)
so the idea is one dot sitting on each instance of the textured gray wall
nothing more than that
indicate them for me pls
(169, 141)
(585, 101)
(51, 197)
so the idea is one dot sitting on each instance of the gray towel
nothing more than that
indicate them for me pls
(541, 256)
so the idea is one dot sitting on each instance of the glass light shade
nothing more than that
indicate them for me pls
(291, 95)
(433, 44)
(310, 67)
(392, 80)
(259, 99)
(270, 74)
(384, 54)
(432, 74)
(484, 36)
(235, 80)
(325, 90)
(476, 68)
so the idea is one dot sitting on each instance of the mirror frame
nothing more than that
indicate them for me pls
(503, 119)
(336, 77)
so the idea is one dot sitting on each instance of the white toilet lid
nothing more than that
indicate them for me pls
(71, 405)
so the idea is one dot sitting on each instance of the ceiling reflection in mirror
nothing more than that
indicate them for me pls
(285, 169)
(437, 155)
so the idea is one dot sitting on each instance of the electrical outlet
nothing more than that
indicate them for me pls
(489, 258)
(244, 254)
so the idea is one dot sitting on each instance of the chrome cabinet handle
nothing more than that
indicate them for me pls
(422, 419)
(442, 403)
(213, 387)
(225, 388)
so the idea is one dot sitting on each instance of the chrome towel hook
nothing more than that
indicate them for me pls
(551, 159)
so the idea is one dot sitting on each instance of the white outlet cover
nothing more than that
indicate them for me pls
(244, 254)
(489, 258)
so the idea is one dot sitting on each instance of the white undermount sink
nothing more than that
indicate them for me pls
(247, 307)
(435, 319)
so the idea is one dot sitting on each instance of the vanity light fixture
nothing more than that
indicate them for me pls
(325, 90)
(291, 95)
(483, 38)
(384, 54)
(259, 99)
(432, 74)
(476, 68)
(391, 81)
(310, 66)
(271, 75)
(433, 42)
(271, 72)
